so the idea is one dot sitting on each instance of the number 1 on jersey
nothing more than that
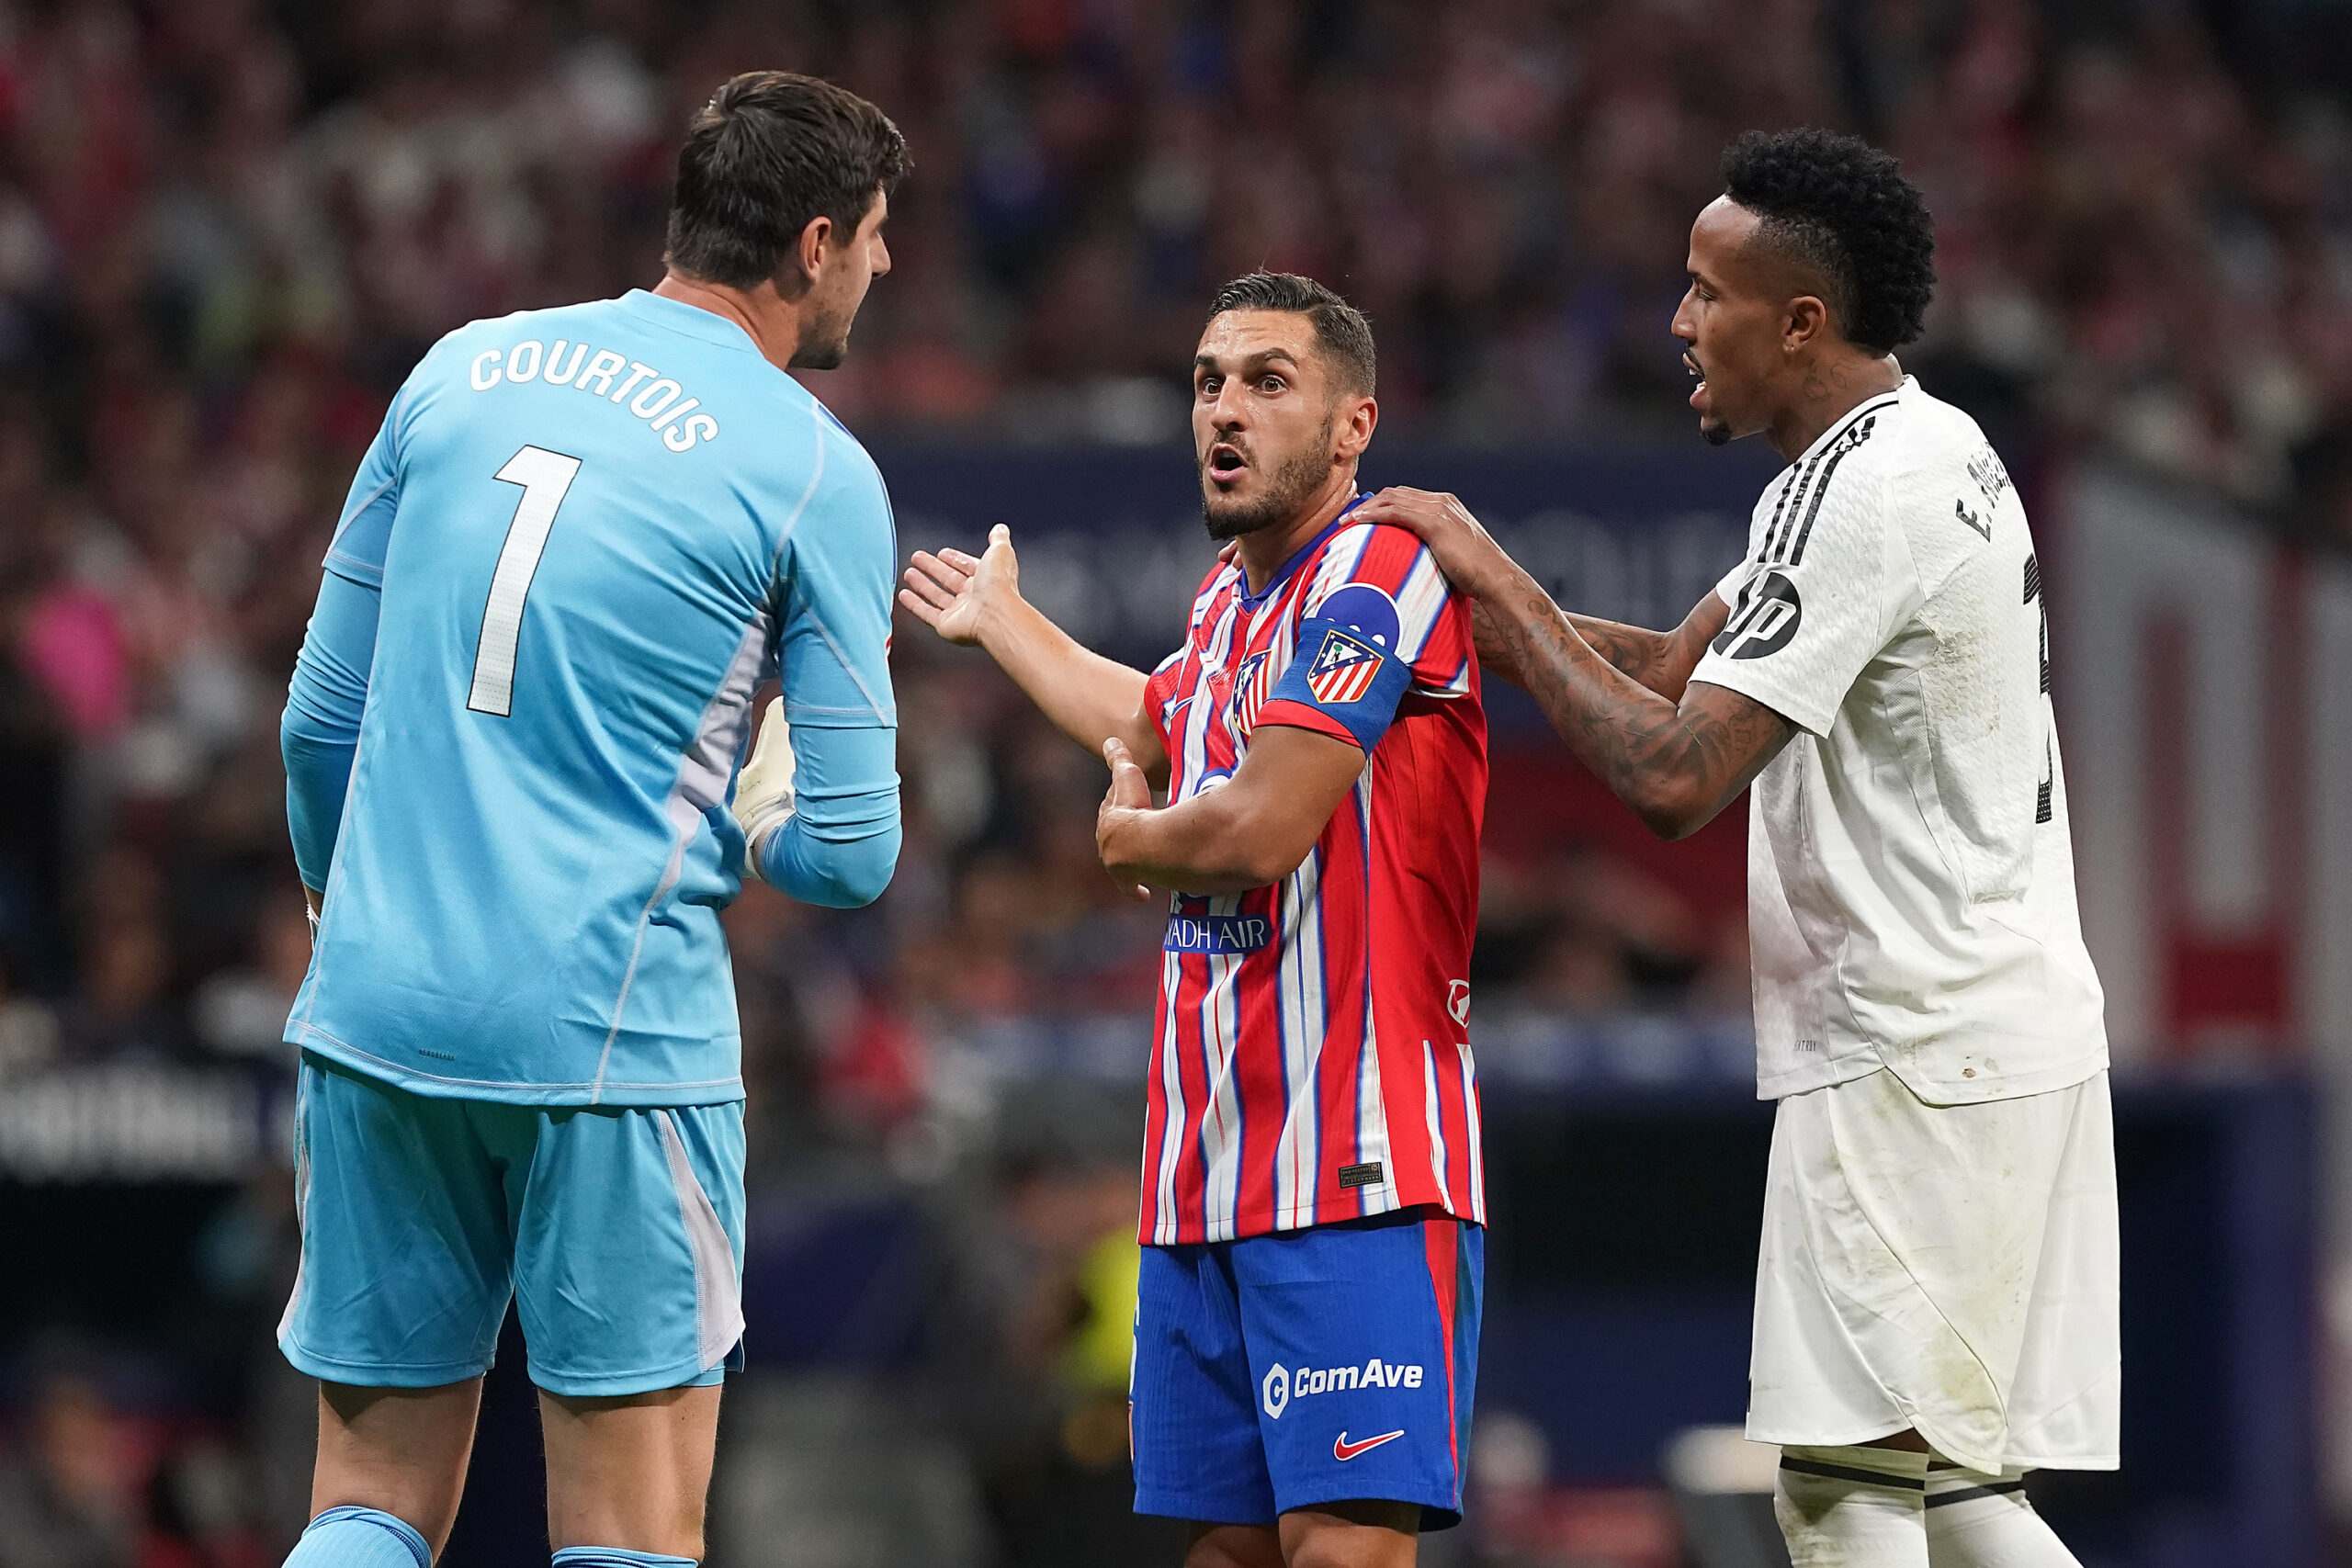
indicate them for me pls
(545, 477)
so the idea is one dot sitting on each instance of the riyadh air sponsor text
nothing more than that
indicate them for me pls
(1217, 933)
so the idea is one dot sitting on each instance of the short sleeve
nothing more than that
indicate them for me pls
(1728, 588)
(1159, 691)
(1822, 591)
(1379, 622)
(838, 584)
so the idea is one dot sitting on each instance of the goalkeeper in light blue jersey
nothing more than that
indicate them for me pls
(583, 540)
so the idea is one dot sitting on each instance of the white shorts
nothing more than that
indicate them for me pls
(1951, 1269)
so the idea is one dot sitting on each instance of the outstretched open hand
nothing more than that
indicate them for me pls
(952, 594)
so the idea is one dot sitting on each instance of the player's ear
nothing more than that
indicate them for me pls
(1805, 322)
(1351, 430)
(815, 247)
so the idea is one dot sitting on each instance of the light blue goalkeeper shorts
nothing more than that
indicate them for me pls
(618, 1231)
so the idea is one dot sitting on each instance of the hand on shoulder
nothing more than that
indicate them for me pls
(1465, 552)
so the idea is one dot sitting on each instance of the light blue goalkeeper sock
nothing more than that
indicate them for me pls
(616, 1557)
(359, 1537)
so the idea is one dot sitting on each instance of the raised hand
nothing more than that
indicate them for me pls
(954, 593)
(1465, 552)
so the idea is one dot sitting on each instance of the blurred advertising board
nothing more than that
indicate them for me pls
(2204, 689)
(136, 1121)
(1112, 545)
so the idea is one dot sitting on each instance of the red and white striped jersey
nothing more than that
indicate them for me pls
(1311, 1061)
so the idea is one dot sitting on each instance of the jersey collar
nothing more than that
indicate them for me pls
(1854, 416)
(691, 320)
(1283, 573)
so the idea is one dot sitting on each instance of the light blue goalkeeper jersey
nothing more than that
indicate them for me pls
(595, 530)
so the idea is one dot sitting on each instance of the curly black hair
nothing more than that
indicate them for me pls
(1842, 207)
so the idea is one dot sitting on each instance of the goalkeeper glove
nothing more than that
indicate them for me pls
(763, 789)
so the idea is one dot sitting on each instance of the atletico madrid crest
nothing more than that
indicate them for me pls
(1251, 687)
(1343, 669)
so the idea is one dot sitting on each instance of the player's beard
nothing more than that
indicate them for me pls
(1287, 490)
(824, 343)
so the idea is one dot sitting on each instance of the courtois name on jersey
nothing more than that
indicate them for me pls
(595, 529)
(1911, 884)
(664, 404)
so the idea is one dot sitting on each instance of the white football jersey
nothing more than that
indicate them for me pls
(1911, 884)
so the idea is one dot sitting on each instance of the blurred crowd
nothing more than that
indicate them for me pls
(227, 228)
(271, 209)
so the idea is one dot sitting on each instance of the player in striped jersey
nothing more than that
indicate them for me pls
(1307, 1333)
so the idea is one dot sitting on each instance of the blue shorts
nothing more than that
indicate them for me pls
(618, 1232)
(1308, 1367)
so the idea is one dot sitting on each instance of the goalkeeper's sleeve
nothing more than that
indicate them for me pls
(820, 810)
(319, 735)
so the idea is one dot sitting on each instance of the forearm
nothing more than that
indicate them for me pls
(838, 845)
(836, 872)
(1656, 660)
(1210, 844)
(1659, 661)
(1089, 698)
(1674, 750)
(1251, 832)
(1634, 738)
(318, 774)
(319, 733)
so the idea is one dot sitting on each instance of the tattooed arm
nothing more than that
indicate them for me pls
(1660, 660)
(1678, 757)
(1676, 763)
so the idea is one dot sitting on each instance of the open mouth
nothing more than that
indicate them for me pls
(1692, 365)
(1226, 462)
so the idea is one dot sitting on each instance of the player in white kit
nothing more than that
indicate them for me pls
(1936, 1290)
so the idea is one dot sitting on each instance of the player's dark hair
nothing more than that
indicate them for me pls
(1341, 333)
(1841, 208)
(772, 153)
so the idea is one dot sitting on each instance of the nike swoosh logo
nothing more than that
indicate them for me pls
(1344, 1451)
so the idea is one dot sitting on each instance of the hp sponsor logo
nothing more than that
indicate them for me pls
(1276, 1389)
(1764, 620)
